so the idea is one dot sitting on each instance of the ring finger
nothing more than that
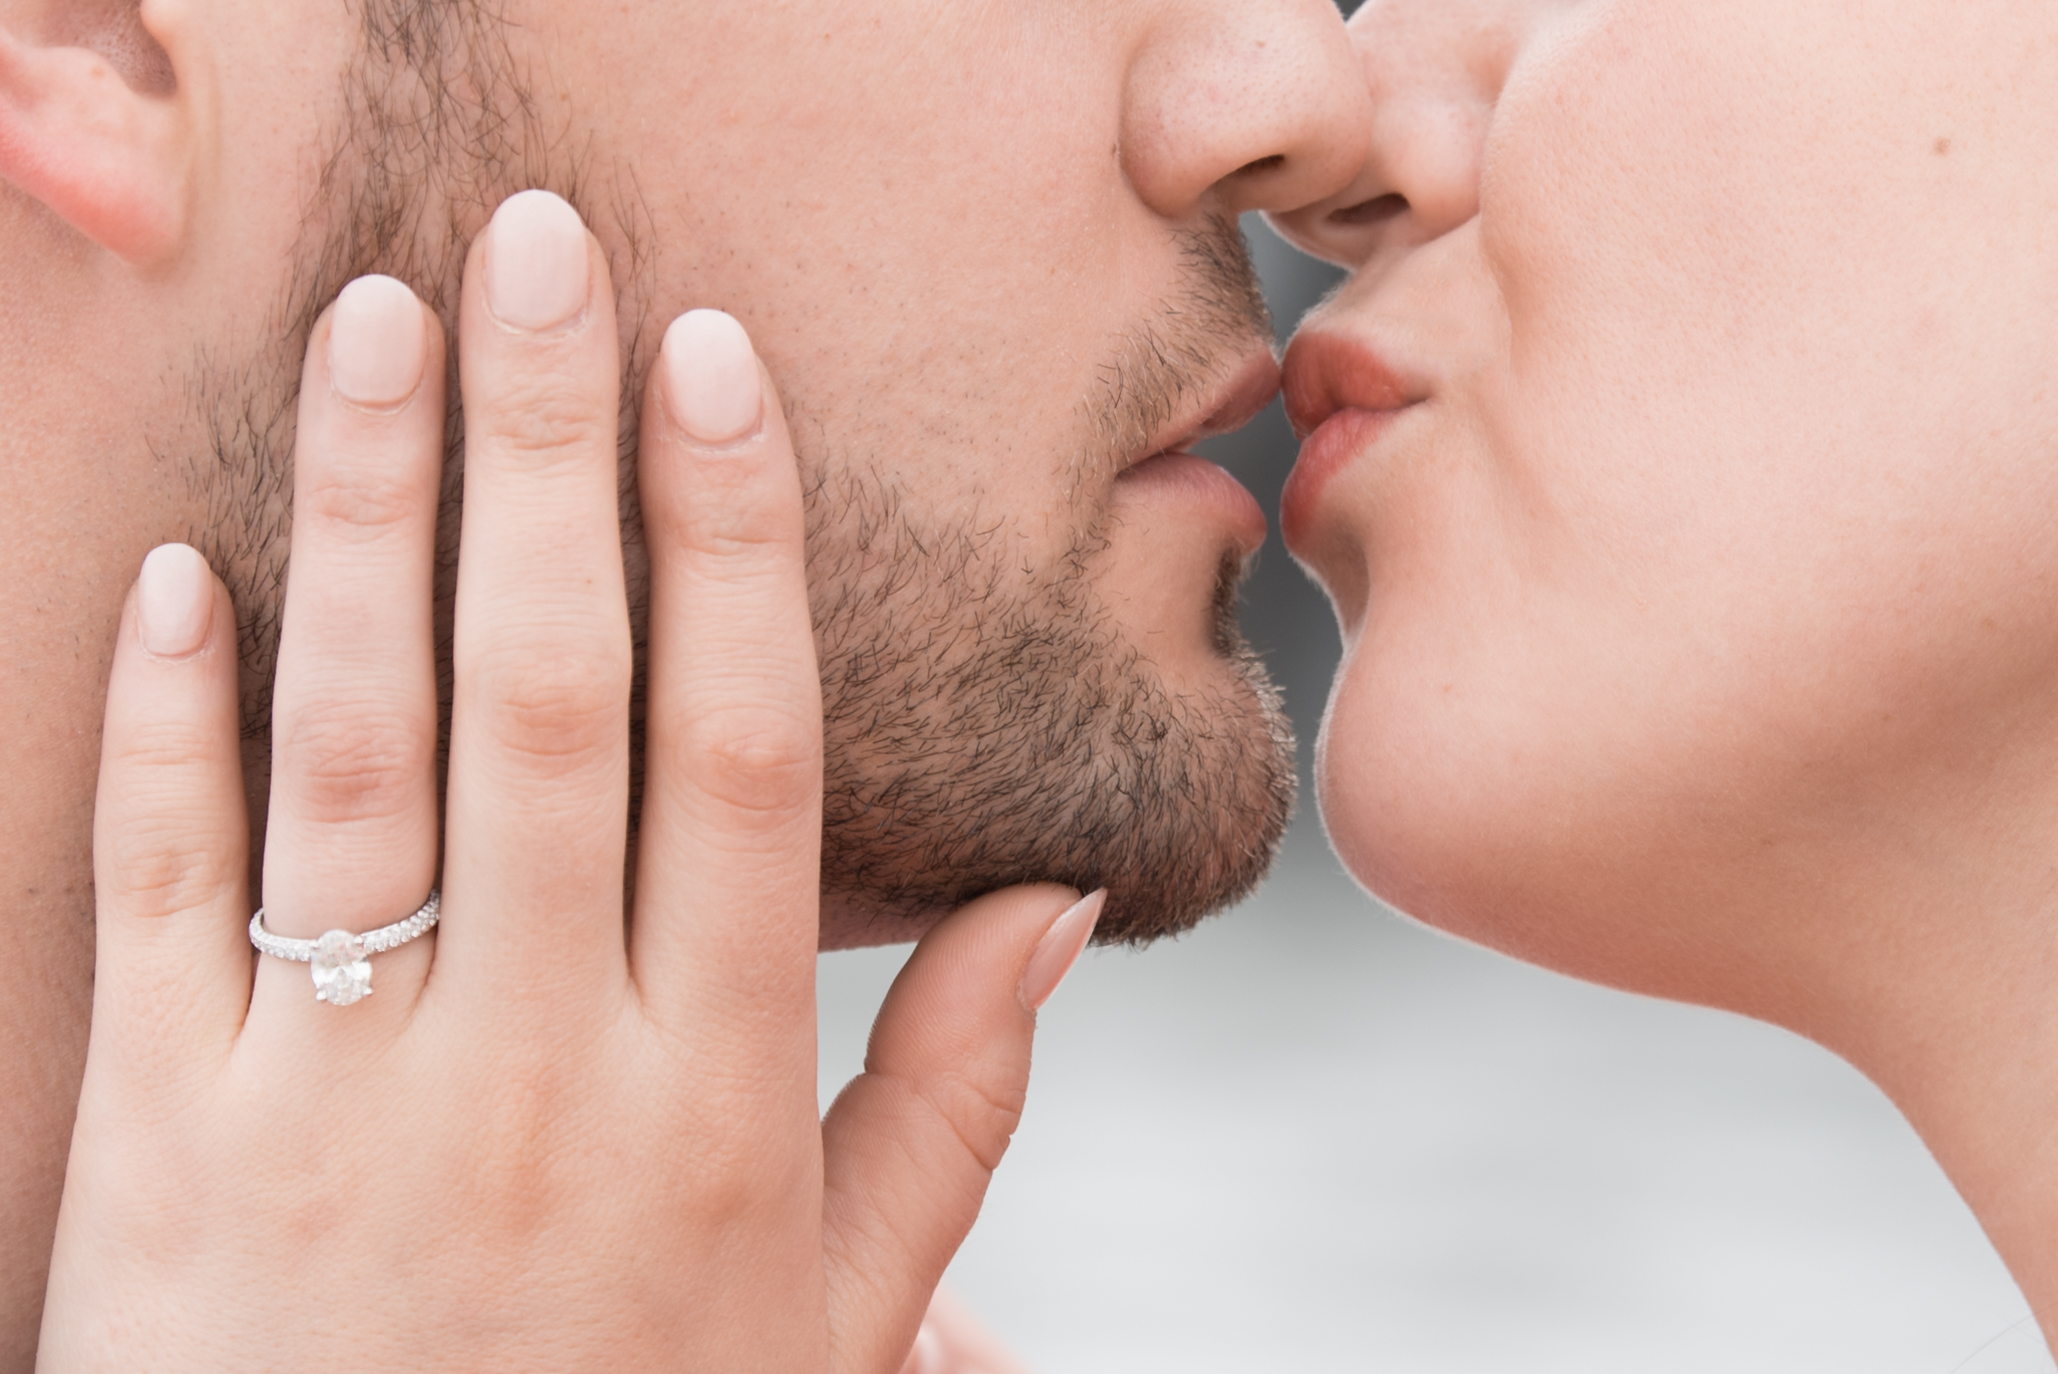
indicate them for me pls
(351, 839)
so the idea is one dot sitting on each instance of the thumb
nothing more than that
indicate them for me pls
(910, 1144)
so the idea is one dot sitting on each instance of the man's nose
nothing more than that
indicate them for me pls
(1433, 71)
(1237, 105)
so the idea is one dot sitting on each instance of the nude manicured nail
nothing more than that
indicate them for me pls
(538, 275)
(712, 387)
(377, 342)
(174, 601)
(1059, 949)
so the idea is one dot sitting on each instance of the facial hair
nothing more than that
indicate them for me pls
(982, 728)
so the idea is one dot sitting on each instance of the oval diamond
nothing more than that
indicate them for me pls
(342, 972)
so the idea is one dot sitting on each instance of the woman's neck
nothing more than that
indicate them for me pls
(1948, 1000)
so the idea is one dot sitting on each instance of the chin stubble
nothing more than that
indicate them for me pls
(980, 737)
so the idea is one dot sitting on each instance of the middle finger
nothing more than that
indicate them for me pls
(539, 757)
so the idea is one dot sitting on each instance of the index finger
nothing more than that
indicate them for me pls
(728, 853)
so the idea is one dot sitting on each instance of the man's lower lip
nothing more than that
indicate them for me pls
(1336, 442)
(1195, 480)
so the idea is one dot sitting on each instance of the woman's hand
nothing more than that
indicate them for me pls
(558, 1135)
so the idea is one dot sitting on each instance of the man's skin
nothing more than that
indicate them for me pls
(983, 247)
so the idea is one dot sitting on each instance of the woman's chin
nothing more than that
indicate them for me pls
(1464, 820)
(1393, 809)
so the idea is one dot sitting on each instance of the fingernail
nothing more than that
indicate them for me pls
(376, 343)
(711, 383)
(1059, 949)
(537, 273)
(174, 601)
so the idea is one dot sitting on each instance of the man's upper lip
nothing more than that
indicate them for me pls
(1230, 404)
(1327, 372)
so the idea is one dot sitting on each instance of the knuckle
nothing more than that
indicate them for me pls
(738, 524)
(165, 754)
(759, 760)
(741, 1176)
(344, 764)
(162, 862)
(543, 421)
(362, 504)
(982, 1116)
(552, 705)
(728, 1185)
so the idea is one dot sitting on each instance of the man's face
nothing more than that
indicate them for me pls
(990, 253)
(1688, 508)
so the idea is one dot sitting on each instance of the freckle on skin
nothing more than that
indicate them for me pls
(1943, 147)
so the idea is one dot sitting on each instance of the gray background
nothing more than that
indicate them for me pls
(1312, 1136)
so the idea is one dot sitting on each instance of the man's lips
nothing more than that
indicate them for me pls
(1195, 482)
(1340, 396)
(1170, 472)
(1227, 406)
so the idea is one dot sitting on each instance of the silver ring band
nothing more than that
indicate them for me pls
(339, 960)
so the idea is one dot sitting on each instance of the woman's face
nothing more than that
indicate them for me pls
(1684, 459)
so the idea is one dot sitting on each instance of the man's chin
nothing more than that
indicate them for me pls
(989, 722)
(1175, 808)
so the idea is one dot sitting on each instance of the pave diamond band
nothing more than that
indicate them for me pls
(339, 960)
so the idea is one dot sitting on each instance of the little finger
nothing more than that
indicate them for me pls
(170, 839)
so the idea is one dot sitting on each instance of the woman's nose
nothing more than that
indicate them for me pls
(1235, 105)
(1433, 71)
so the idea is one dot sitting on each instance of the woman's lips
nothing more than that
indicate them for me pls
(1203, 486)
(1342, 394)
(1336, 442)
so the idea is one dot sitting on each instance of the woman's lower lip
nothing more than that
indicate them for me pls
(1334, 445)
(1196, 481)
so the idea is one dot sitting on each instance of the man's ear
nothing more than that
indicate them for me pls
(109, 155)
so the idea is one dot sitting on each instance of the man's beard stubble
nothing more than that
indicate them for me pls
(985, 729)
(978, 739)
(981, 727)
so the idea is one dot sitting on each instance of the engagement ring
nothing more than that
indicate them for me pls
(340, 961)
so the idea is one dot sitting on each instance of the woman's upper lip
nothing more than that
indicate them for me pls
(1328, 372)
(1230, 404)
